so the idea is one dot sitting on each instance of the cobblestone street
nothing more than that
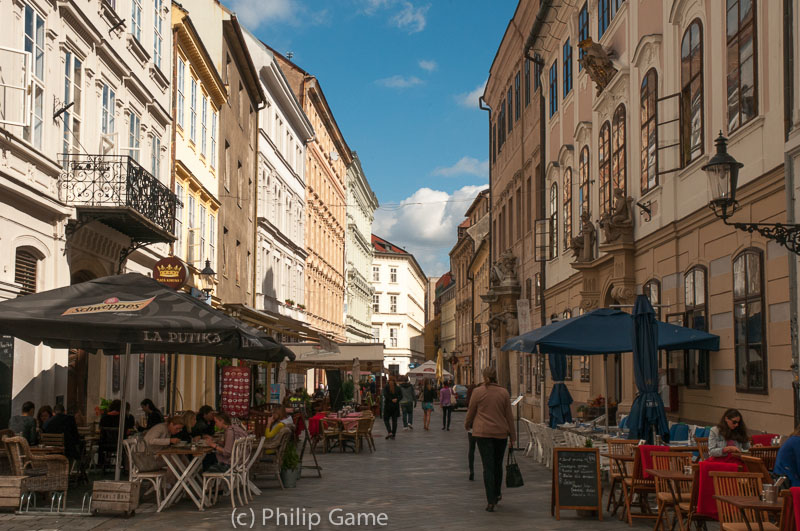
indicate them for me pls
(419, 480)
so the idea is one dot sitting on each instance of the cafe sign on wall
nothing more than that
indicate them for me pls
(171, 272)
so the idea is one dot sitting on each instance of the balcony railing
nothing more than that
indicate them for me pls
(116, 190)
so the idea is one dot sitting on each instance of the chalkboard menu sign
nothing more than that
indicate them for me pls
(576, 481)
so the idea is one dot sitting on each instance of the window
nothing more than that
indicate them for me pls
(213, 160)
(179, 221)
(109, 102)
(227, 178)
(376, 273)
(648, 98)
(603, 19)
(510, 100)
(742, 87)
(376, 335)
(155, 157)
(697, 365)
(516, 97)
(652, 290)
(26, 266)
(212, 240)
(748, 323)
(604, 159)
(392, 303)
(392, 274)
(570, 369)
(567, 212)
(583, 30)
(393, 337)
(181, 83)
(34, 44)
(134, 130)
(528, 373)
(376, 303)
(193, 111)
(553, 220)
(567, 58)
(537, 76)
(136, 19)
(157, 35)
(225, 251)
(203, 122)
(586, 373)
(554, 88)
(692, 93)
(583, 175)
(73, 82)
(618, 155)
(202, 235)
(537, 292)
(527, 82)
(192, 251)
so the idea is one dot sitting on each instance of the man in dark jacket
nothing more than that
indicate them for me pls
(408, 402)
(65, 424)
(205, 422)
(25, 424)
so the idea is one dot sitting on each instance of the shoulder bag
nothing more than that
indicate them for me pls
(513, 475)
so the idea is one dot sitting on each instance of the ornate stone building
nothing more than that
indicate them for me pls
(361, 206)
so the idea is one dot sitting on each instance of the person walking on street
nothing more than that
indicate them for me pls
(447, 400)
(407, 403)
(492, 423)
(427, 396)
(471, 451)
(391, 407)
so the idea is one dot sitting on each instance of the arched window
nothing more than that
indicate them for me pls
(567, 213)
(583, 185)
(742, 47)
(554, 220)
(748, 322)
(652, 290)
(619, 165)
(649, 96)
(604, 157)
(694, 289)
(26, 265)
(692, 93)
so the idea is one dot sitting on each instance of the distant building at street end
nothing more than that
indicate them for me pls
(432, 321)
(398, 305)
(445, 311)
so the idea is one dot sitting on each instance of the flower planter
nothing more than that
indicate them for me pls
(115, 496)
(289, 477)
(11, 489)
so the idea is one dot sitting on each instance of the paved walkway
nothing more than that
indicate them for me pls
(419, 480)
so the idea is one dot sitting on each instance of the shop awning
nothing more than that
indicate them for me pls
(313, 356)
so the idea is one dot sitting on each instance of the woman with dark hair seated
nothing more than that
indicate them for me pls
(729, 438)
(154, 415)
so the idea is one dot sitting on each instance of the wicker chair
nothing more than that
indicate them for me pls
(361, 431)
(329, 431)
(673, 461)
(624, 447)
(46, 473)
(271, 464)
(5, 459)
(737, 484)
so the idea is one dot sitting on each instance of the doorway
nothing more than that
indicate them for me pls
(78, 363)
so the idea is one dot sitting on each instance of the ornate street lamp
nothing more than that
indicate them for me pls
(723, 177)
(206, 279)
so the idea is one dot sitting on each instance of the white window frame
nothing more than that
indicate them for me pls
(73, 93)
(181, 102)
(393, 275)
(24, 88)
(376, 273)
(213, 161)
(134, 135)
(376, 303)
(212, 240)
(193, 110)
(191, 247)
(158, 38)
(108, 103)
(136, 19)
(392, 303)
(155, 157)
(202, 232)
(203, 123)
(179, 220)
(393, 333)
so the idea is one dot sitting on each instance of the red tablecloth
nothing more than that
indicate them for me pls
(764, 439)
(313, 424)
(796, 505)
(706, 504)
(647, 459)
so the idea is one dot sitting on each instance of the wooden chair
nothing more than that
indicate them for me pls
(329, 430)
(666, 496)
(737, 484)
(787, 521)
(768, 454)
(637, 483)
(56, 440)
(702, 447)
(45, 473)
(619, 470)
(359, 432)
(756, 465)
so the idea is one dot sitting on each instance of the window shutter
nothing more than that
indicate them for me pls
(25, 271)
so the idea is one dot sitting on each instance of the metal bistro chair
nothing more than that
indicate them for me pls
(156, 477)
(251, 490)
(231, 477)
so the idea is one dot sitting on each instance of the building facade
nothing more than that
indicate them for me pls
(93, 111)
(460, 257)
(327, 160)
(471, 367)
(398, 305)
(631, 116)
(446, 308)
(361, 206)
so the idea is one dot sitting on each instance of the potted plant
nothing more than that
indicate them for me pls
(348, 390)
(289, 302)
(290, 468)
(301, 306)
(100, 410)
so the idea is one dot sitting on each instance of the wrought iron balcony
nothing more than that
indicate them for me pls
(117, 191)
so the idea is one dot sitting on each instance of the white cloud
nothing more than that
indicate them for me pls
(410, 18)
(470, 99)
(371, 6)
(465, 166)
(426, 226)
(399, 81)
(254, 13)
(430, 66)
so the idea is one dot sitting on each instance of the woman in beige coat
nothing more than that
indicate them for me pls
(492, 424)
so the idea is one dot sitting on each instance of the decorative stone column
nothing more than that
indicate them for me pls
(504, 290)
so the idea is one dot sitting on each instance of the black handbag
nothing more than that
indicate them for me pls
(513, 475)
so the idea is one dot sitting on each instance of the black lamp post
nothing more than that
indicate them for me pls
(723, 177)
(207, 279)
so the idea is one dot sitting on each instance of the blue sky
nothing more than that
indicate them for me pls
(403, 78)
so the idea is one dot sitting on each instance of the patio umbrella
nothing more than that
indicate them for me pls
(132, 313)
(427, 369)
(647, 410)
(560, 399)
(356, 380)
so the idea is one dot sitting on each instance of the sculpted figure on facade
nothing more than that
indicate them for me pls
(619, 222)
(583, 244)
(504, 272)
(597, 62)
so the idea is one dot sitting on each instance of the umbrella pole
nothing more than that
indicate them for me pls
(605, 374)
(123, 412)
(541, 370)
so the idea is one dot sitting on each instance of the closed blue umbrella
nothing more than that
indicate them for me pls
(560, 399)
(647, 410)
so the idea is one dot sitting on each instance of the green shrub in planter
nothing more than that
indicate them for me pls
(290, 468)
(348, 390)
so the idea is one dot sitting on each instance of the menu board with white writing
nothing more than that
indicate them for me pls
(236, 391)
(576, 480)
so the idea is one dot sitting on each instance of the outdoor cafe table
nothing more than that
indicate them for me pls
(751, 503)
(672, 477)
(188, 475)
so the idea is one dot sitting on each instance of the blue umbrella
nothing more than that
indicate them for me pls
(560, 399)
(647, 410)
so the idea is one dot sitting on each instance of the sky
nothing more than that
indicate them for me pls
(403, 79)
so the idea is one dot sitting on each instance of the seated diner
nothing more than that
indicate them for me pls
(787, 463)
(729, 438)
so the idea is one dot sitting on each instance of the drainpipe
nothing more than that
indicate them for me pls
(789, 180)
(486, 107)
(471, 279)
